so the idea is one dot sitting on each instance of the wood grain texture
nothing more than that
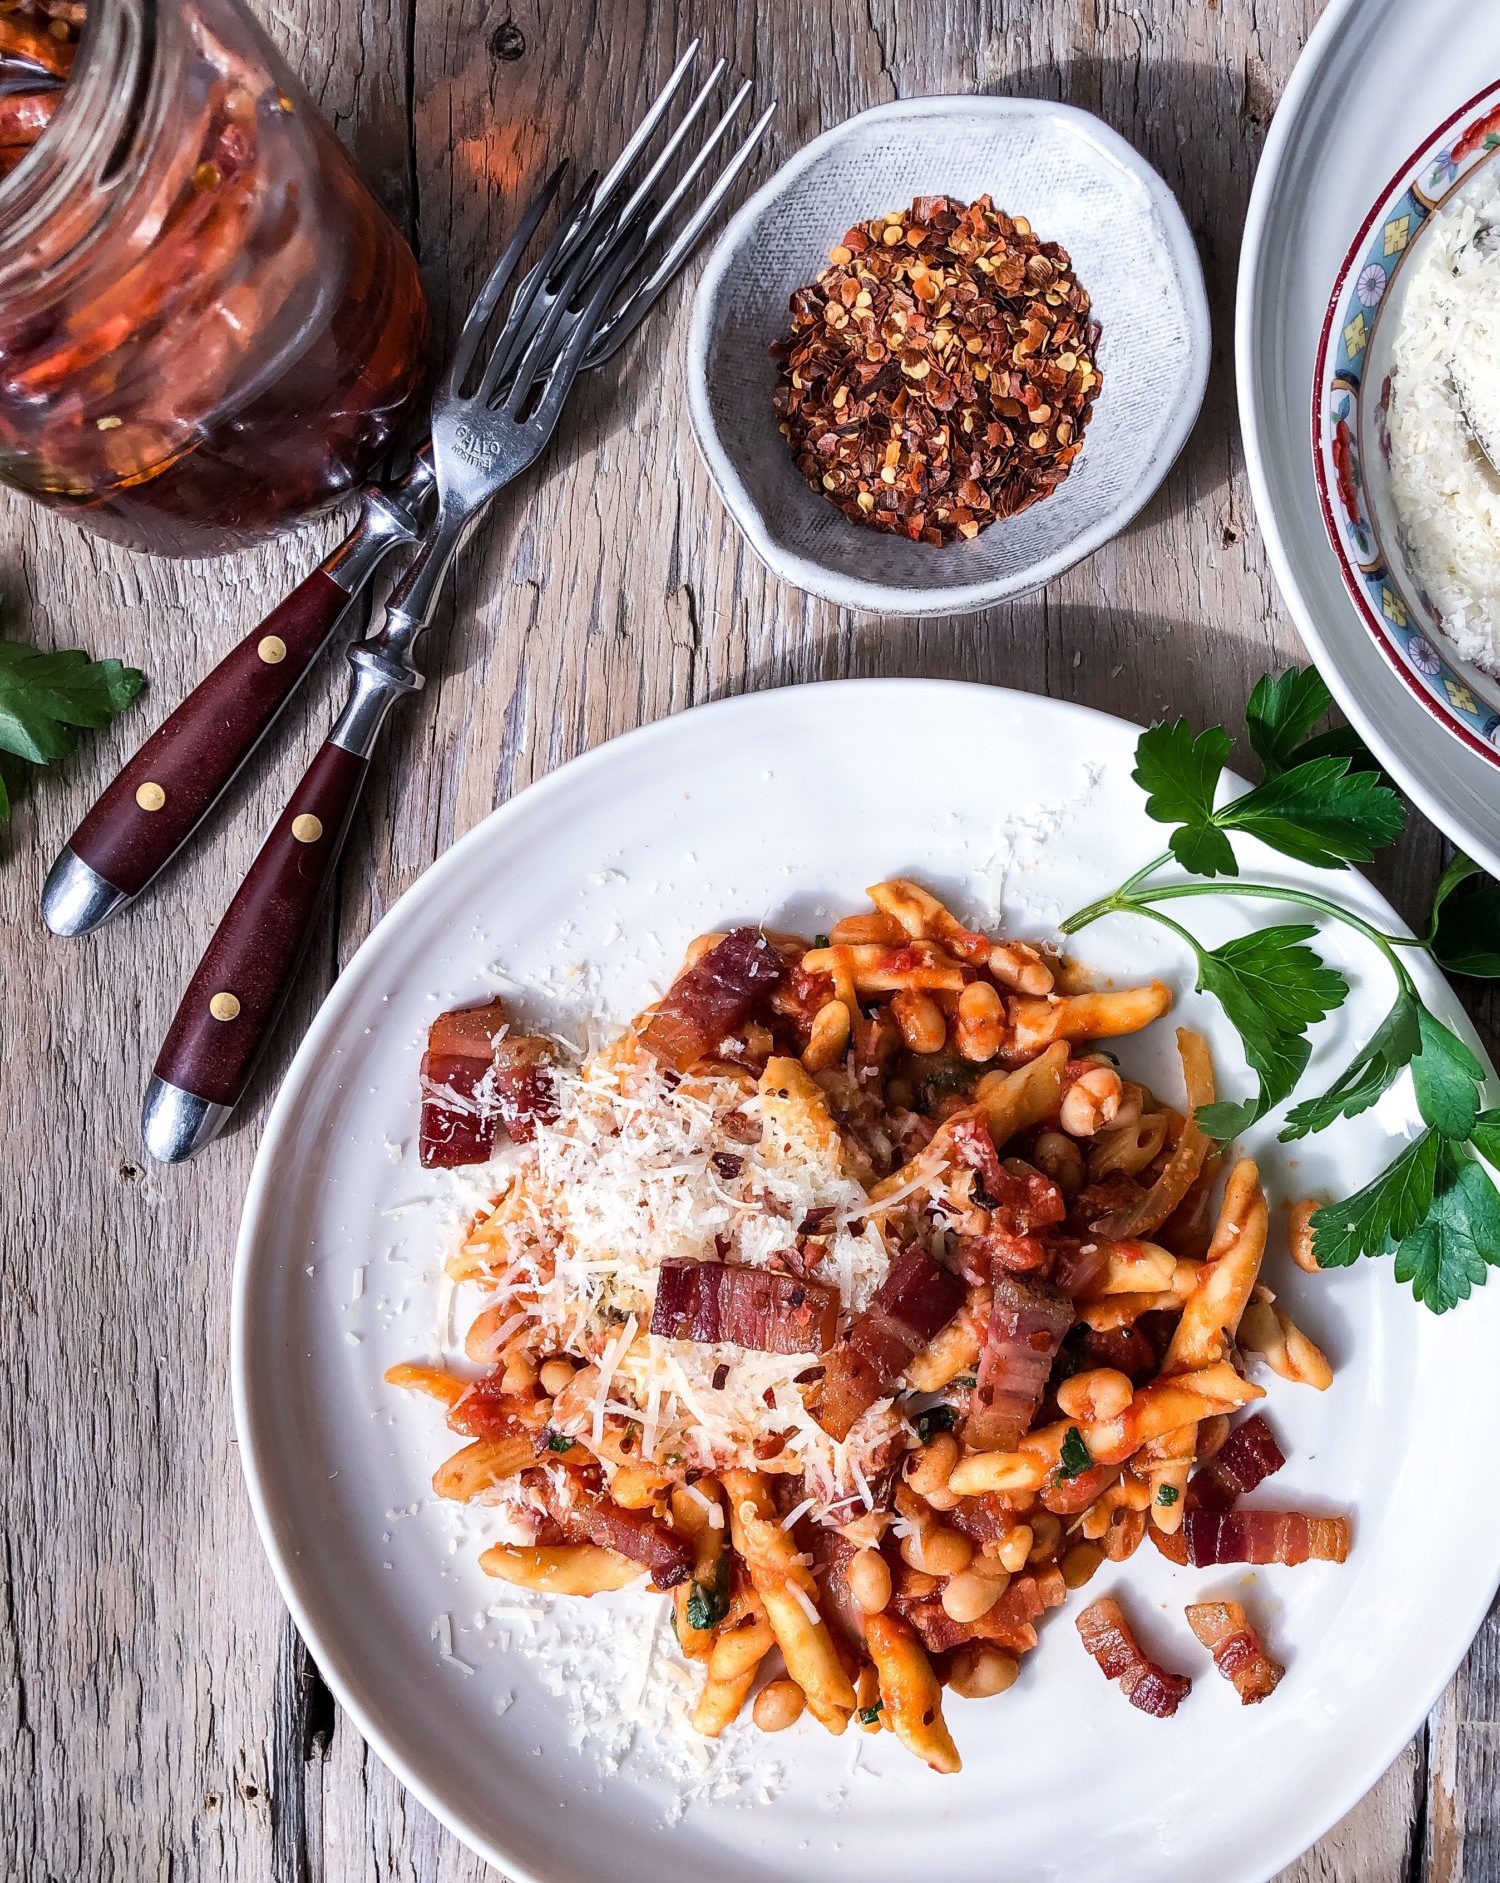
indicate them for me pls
(158, 1716)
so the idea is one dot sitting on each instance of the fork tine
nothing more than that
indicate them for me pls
(613, 334)
(642, 191)
(565, 369)
(641, 136)
(614, 178)
(507, 342)
(710, 144)
(538, 345)
(488, 298)
(669, 150)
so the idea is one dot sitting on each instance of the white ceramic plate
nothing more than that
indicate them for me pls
(784, 806)
(1376, 78)
(1080, 184)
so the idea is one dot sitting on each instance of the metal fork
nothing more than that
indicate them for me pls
(483, 439)
(188, 763)
(491, 421)
(624, 319)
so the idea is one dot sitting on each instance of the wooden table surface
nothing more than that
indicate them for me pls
(161, 1719)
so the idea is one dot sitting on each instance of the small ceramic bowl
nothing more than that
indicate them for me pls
(1351, 439)
(1078, 184)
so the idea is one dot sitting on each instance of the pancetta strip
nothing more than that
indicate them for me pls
(1263, 1536)
(989, 1515)
(1026, 1327)
(1010, 1623)
(478, 1079)
(1078, 1264)
(750, 1307)
(586, 1517)
(710, 1000)
(1247, 1458)
(1224, 1629)
(523, 1093)
(917, 1297)
(1107, 1637)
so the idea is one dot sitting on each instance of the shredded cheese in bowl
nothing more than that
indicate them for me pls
(1445, 412)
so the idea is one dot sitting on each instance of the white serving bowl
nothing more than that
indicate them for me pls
(1078, 184)
(1351, 433)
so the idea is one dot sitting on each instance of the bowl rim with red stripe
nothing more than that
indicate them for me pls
(1349, 398)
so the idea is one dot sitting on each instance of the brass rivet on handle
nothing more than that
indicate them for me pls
(150, 796)
(225, 1006)
(272, 649)
(307, 828)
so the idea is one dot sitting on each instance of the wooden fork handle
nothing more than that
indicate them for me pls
(157, 800)
(241, 983)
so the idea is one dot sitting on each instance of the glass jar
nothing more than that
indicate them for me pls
(208, 325)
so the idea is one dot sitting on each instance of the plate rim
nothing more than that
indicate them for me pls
(1326, 34)
(962, 597)
(344, 1681)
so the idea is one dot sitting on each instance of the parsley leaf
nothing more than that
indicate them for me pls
(934, 1420)
(948, 1072)
(1272, 989)
(1447, 1077)
(1445, 1256)
(1320, 812)
(1384, 1213)
(1464, 935)
(708, 1602)
(1167, 1495)
(556, 1442)
(45, 696)
(1180, 774)
(1283, 710)
(1325, 802)
(870, 1715)
(1074, 1458)
(1378, 1064)
(1485, 1137)
(1342, 742)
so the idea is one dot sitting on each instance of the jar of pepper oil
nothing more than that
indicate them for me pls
(208, 326)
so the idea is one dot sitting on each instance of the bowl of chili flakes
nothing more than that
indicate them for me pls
(869, 468)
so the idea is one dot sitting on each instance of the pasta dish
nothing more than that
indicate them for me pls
(853, 1295)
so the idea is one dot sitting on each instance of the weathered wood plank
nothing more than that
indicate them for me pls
(159, 1717)
(141, 1628)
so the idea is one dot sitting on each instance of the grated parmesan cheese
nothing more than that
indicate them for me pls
(805, 1602)
(1445, 389)
(624, 1178)
(442, 1634)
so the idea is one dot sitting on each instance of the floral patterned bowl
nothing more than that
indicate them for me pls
(1351, 439)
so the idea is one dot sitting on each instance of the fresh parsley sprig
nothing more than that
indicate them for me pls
(45, 696)
(1323, 801)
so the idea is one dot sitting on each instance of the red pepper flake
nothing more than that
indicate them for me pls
(940, 372)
